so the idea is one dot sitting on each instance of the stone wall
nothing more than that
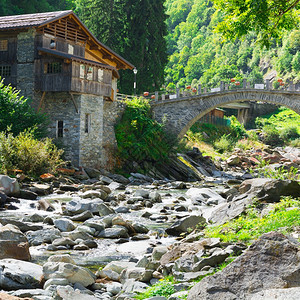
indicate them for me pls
(113, 112)
(60, 107)
(25, 65)
(90, 145)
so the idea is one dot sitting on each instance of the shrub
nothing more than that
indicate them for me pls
(289, 133)
(16, 113)
(163, 288)
(140, 137)
(224, 144)
(28, 154)
(271, 136)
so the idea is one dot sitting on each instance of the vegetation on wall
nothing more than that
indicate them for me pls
(139, 137)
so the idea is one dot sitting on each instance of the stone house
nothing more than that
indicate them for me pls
(68, 74)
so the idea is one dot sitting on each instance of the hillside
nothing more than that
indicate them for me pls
(197, 54)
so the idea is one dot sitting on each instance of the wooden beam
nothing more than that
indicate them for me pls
(41, 101)
(74, 102)
(95, 47)
(107, 56)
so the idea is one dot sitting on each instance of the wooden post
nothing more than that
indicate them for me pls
(226, 86)
(163, 97)
(248, 85)
(222, 86)
(41, 101)
(74, 102)
(156, 96)
(177, 93)
(199, 89)
(244, 83)
(205, 90)
(268, 84)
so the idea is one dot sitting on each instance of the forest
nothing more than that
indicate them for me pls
(174, 43)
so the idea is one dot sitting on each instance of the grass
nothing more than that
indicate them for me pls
(284, 217)
(164, 288)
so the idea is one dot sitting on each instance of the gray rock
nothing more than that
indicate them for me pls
(64, 224)
(185, 224)
(114, 233)
(77, 206)
(30, 293)
(68, 293)
(55, 281)
(75, 234)
(132, 286)
(28, 195)
(9, 186)
(105, 180)
(97, 224)
(136, 273)
(216, 258)
(104, 210)
(114, 288)
(73, 273)
(13, 243)
(119, 178)
(203, 195)
(263, 266)
(63, 242)
(292, 293)
(23, 226)
(68, 188)
(158, 252)
(94, 194)
(17, 274)
(116, 186)
(83, 216)
(140, 228)
(155, 197)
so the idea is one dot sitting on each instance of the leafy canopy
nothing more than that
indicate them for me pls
(16, 113)
(268, 18)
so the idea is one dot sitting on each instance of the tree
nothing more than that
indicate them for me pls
(17, 115)
(268, 18)
(136, 31)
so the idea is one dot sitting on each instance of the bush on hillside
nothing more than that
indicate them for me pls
(17, 114)
(139, 137)
(24, 152)
(289, 133)
(271, 136)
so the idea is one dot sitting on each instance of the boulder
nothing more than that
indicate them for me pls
(185, 224)
(9, 186)
(17, 274)
(78, 206)
(73, 273)
(69, 293)
(94, 194)
(64, 224)
(233, 160)
(39, 237)
(13, 243)
(271, 262)
(203, 195)
(114, 233)
(278, 294)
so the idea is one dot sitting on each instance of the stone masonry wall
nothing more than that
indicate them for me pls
(25, 62)
(60, 107)
(112, 113)
(90, 145)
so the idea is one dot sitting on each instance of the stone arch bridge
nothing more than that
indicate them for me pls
(181, 113)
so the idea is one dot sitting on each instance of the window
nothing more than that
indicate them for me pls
(53, 68)
(60, 129)
(70, 49)
(82, 71)
(5, 71)
(90, 72)
(3, 45)
(87, 123)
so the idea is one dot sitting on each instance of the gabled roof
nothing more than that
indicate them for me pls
(78, 59)
(31, 20)
(39, 20)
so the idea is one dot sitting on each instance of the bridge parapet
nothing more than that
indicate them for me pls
(190, 91)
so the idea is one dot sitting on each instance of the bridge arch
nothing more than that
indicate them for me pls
(180, 114)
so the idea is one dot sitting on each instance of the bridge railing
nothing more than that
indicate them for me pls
(224, 86)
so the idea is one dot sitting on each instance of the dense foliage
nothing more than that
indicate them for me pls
(134, 29)
(197, 54)
(266, 17)
(16, 113)
(24, 152)
(139, 137)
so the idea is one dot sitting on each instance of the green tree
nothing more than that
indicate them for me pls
(17, 115)
(266, 17)
(135, 30)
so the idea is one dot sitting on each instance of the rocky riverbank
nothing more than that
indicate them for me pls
(90, 234)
